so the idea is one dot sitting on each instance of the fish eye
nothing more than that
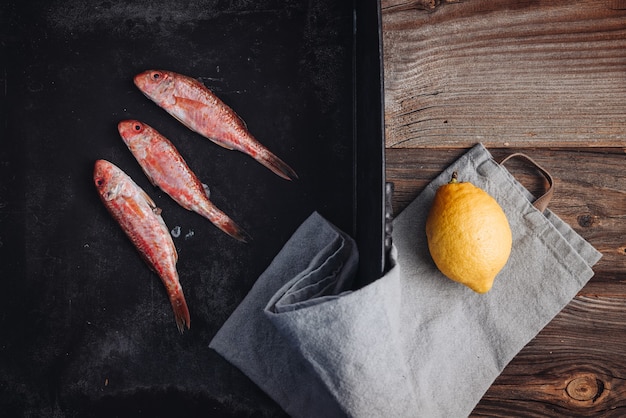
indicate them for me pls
(156, 76)
(99, 182)
(137, 127)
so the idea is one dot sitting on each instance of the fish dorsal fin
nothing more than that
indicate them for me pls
(175, 252)
(243, 122)
(149, 177)
(150, 202)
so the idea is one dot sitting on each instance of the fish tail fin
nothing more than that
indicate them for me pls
(235, 231)
(277, 165)
(223, 222)
(181, 312)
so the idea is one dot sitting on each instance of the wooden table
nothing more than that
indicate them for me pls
(547, 78)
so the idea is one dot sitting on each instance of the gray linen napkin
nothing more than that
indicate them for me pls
(412, 343)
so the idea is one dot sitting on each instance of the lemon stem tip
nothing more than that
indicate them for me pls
(455, 178)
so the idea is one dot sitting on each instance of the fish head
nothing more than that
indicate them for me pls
(154, 83)
(106, 177)
(132, 131)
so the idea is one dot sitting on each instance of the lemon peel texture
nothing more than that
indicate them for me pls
(469, 237)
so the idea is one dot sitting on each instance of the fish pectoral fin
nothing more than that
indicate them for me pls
(194, 106)
(207, 191)
(186, 101)
(134, 206)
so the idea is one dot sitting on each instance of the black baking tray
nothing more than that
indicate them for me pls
(86, 327)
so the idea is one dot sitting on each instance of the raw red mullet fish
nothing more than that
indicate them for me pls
(141, 220)
(167, 169)
(195, 106)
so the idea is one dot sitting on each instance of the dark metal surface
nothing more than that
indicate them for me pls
(87, 329)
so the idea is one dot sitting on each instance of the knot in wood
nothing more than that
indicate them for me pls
(584, 388)
(586, 220)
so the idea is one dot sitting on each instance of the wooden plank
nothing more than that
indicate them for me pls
(504, 72)
(574, 367)
(590, 196)
(547, 78)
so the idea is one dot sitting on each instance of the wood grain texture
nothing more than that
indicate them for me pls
(574, 367)
(547, 78)
(505, 73)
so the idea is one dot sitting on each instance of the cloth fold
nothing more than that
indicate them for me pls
(412, 343)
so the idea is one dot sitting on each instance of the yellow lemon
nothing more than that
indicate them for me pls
(468, 234)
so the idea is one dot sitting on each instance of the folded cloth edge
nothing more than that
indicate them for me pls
(249, 341)
(329, 274)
